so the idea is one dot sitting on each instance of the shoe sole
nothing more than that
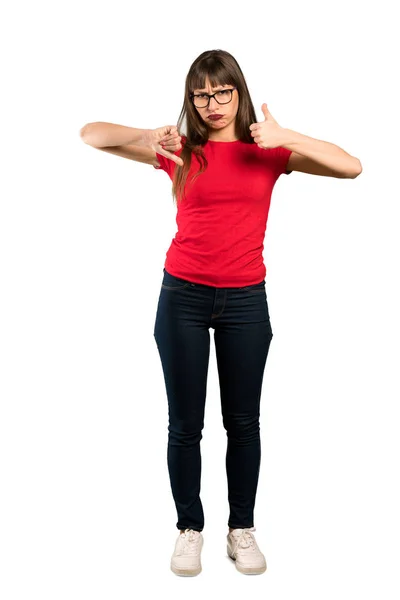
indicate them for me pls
(247, 570)
(185, 572)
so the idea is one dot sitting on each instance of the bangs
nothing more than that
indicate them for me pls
(216, 73)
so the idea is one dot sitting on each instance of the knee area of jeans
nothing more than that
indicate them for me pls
(185, 437)
(235, 424)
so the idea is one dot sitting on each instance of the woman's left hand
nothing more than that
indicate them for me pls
(267, 134)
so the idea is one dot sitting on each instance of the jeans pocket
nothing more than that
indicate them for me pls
(256, 287)
(170, 282)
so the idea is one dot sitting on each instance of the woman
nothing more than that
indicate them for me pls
(223, 173)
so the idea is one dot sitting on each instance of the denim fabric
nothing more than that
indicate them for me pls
(242, 335)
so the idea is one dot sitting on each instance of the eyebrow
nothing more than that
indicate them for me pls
(220, 86)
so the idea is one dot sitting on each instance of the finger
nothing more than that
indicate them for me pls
(172, 130)
(171, 144)
(168, 145)
(176, 160)
(171, 148)
(171, 156)
(171, 137)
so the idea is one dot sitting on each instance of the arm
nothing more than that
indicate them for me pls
(101, 135)
(135, 144)
(310, 155)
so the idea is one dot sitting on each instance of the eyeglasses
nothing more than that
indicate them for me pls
(203, 100)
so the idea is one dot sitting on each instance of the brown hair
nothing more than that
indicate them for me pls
(221, 69)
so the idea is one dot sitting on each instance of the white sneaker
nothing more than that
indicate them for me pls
(186, 557)
(243, 549)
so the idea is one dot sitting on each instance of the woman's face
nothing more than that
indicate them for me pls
(228, 111)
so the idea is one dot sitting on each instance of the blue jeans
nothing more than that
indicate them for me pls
(242, 335)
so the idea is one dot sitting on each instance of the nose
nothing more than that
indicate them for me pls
(212, 104)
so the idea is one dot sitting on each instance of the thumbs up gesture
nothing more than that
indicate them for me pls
(267, 134)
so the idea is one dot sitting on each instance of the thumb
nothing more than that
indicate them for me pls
(265, 110)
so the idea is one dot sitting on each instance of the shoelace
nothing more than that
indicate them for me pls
(190, 541)
(244, 539)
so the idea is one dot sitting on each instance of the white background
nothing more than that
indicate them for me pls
(86, 507)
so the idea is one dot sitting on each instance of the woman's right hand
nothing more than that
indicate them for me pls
(169, 137)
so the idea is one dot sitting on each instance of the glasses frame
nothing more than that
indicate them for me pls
(193, 96)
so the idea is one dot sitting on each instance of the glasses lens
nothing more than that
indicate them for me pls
(200, 100)
(222, 97)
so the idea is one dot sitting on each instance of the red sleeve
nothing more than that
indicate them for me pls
(280, 157)
(163, 162)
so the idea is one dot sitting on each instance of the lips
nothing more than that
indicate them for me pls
(215, 117)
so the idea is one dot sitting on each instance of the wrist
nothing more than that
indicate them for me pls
(141, 137)
(287, 136)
